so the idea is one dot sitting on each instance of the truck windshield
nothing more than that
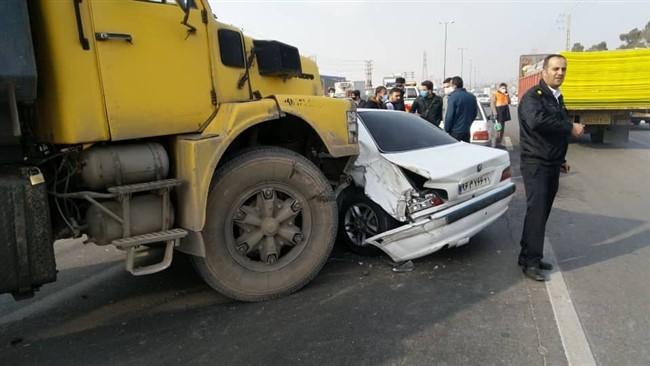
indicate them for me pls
(399, 131)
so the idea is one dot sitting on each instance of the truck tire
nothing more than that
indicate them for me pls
(271, 223)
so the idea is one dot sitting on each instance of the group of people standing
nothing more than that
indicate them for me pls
(457, 105)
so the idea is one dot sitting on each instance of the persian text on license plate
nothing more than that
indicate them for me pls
(475, 183)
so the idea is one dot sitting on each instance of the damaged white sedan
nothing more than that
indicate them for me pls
(415, 190)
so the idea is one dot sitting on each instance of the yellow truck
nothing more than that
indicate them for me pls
(151, 126)
(607, 91)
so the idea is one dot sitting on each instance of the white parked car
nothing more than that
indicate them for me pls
(414, 189)
(483, 98)
(482, 129)
(410, 93)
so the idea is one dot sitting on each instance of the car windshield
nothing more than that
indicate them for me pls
(400, 131)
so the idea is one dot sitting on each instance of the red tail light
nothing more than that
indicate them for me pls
(505, 174)
(481, 135)
(407, 107)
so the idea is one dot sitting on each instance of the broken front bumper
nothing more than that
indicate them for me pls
(451, 227)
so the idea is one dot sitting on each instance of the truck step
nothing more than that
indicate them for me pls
(157, 237)
(148, 186)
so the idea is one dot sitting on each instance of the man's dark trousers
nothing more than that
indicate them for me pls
(541, 184)
(460, 136)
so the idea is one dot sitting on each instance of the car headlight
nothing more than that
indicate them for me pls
(353, 127)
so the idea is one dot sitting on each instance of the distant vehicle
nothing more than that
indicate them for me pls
(514, 100)
(416, 190)
(483, 98)
(410, 93)
(610, 111)
(482, 129)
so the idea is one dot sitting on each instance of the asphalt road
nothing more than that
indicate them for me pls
(469, 305)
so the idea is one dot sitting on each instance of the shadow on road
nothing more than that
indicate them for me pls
(467, 305)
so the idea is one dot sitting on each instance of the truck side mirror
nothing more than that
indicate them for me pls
(185, 5)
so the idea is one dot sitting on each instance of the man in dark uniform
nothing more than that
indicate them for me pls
(399, 83)
(544, 137)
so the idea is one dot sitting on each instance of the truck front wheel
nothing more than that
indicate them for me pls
(270, 226)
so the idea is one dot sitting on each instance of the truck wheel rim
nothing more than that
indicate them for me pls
(268, 227)
(361, 223)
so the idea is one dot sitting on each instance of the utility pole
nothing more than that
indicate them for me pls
(470, 74)
(444, 63)
(425, 71)
(461, 60)
(568, 32)
(567, 28)
(369, 87)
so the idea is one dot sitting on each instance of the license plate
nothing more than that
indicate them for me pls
(474, 183)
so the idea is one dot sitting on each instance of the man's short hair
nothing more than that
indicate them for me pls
(458, 81)
(428, 84)
(356, 93)
(400, 80)
(447, 80)
(379, 89)
(330, 89)
(547, 58)
(396, 90)
(503, 84)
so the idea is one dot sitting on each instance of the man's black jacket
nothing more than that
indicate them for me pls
(544, 127)
(429, 108)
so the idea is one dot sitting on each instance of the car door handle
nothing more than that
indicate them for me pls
(106, 36)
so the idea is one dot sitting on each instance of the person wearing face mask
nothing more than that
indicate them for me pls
(330, 92)
(379, 99)
(394, 98)
(461, 111)
(446, 90)
(500, 106)
(356, 98)
(428, 105)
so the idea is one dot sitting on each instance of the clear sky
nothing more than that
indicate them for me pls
(395, 34)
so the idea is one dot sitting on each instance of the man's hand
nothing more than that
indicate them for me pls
(578, 130)
(565, 168)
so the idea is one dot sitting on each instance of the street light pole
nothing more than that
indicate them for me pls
(470, 74)
(444, 63)
(461, 60)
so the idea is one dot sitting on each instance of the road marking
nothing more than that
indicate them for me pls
(639, 142)
(574, 340)
(65, 294)
(508, 143)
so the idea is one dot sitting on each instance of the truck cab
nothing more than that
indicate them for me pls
(149, 123)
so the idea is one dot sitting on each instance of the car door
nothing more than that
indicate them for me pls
(155, 75)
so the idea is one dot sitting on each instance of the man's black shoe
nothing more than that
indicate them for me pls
(534, 272)
(546, 266)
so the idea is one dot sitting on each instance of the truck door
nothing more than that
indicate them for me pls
(155, 75)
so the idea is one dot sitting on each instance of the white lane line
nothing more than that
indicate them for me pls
(639, 142)
(574, 340)
(59, 297)
(508, 143)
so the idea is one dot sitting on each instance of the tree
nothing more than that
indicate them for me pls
(577, 47)
(602, 46)
(636, 38)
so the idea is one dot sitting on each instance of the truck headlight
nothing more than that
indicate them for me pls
(353, 127)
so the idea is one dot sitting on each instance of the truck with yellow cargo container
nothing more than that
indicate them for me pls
(151, 126)
(607, 91)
